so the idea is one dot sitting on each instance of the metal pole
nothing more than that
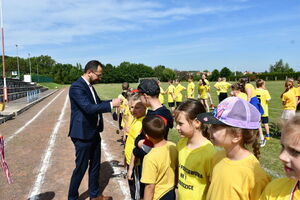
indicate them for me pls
(37, 71)
(29, 64)
(19, 75)
(3, 57)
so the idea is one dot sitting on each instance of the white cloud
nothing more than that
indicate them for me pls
(36, 22)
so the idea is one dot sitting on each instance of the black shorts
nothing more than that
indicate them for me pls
(171, 105)
(178, 103)
(264, 120)
(222, 96)
(169, 195)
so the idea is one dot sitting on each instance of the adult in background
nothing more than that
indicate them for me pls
(85, 126)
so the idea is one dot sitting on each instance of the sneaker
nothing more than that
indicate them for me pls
(268, 137)
(263, 142)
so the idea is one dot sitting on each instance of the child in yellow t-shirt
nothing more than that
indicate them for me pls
(171, 95)
(287, 188)
(120, 111)
(161, 93)
(298, 95)
(160, 164)
(237, 173)
(138, 110)
(264, 97)
(216, 86)
(195, 152)
(223, 87)
(190, 88)
(203, 94)
(288, 98)
(178, 92)
(236, 91)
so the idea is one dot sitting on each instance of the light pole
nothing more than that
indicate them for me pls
(18, 62)
(37, 71)
(3, 58)
(29, 64)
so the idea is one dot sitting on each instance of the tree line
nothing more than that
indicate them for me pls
(47, 68)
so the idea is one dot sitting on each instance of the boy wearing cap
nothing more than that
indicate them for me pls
(149, 91)
(237, 173)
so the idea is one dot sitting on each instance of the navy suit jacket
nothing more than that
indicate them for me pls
(84, 111)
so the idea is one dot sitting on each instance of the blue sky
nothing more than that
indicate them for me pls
(180, 34)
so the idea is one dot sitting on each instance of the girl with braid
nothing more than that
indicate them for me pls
(236, 174)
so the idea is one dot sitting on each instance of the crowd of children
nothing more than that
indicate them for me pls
(196, 166)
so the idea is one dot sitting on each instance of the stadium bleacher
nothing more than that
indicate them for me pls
(17, 89)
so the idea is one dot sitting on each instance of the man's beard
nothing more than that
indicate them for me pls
(93, 82)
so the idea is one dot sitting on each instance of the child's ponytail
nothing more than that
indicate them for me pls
(289, 84)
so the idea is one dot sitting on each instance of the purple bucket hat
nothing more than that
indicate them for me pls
(233, 111)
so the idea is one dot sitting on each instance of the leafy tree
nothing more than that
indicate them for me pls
(168, 74)
(280, 66)
(214, 75)
(225, 72)
(158, 70)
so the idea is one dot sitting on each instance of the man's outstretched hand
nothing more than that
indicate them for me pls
(116, 102)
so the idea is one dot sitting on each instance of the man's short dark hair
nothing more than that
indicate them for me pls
(92, 65)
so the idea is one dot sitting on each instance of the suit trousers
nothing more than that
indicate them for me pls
(88, 154)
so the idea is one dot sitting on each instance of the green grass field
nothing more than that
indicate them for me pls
(52, 85)
(269, 153)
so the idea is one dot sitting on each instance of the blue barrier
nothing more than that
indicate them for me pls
(33, 95)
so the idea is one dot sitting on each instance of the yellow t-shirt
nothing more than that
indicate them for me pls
(264, 98)
(171, 91)
(251, 87)
(127, 118)
(178, 89)
(280, 189)
(203, 89)
(194, 169)
(159, 167)
(161, 95)
(123, 107)
(207, 83)
(242, 95)
(236, 179)
(223, 86)
(135, 130)
(216, 85)
(298, 91)
(290, 100)
(190, 90)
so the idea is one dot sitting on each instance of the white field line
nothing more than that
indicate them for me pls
(33, 195)
(30, 121)
(109, 157)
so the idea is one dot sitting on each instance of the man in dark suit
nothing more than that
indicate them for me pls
(85, 126)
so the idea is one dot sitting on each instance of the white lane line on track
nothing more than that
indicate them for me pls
(30, 121)
(33, 195)
(109, 157)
